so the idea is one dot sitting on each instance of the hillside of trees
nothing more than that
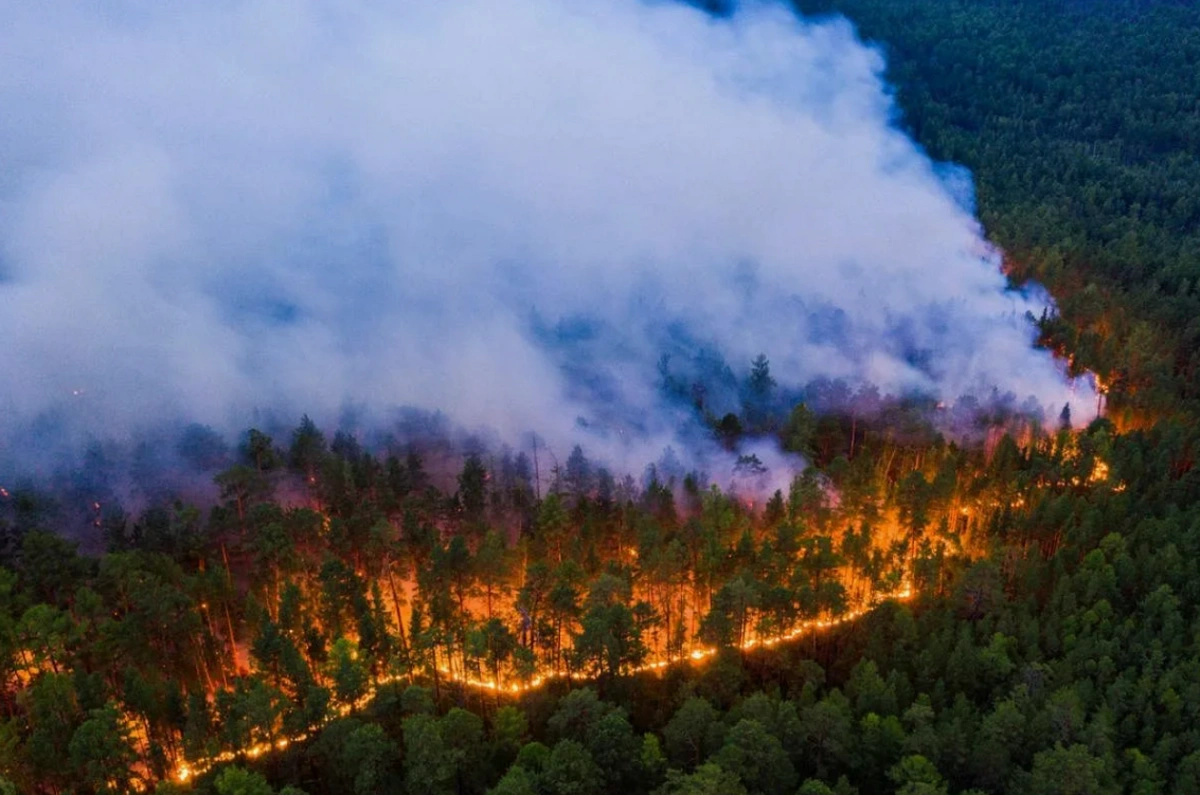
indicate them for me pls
(1014, 609)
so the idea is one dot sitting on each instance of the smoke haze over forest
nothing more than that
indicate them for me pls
(508, 214)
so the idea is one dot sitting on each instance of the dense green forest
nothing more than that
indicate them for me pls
(1014, 614)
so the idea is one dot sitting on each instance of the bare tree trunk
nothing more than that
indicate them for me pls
(396, 606)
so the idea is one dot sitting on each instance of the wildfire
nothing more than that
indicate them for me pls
(185, 771)
(1102, 474)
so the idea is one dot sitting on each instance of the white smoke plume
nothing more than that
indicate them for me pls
(506, 212)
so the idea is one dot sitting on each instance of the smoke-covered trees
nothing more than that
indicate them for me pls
(307, 451)
(758, 398)
(472, 488)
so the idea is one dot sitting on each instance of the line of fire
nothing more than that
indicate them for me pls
(326, 573)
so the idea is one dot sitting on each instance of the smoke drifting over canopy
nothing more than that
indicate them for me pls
(507, 212)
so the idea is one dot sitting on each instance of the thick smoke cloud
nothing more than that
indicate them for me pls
(506, 212)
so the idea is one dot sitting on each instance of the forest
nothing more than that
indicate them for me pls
(1012, 609)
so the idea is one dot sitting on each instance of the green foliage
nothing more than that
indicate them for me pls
(1069, 771)
(101, 751)
(238, 781)
(757, 758)
(429, 764)
(516, 781)
(417, 700)
(916, 775)
(570, 770)
(370, 754)
(510, 729)
(708, 779)
(578, 715)
(346, 671)
(693, 733)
